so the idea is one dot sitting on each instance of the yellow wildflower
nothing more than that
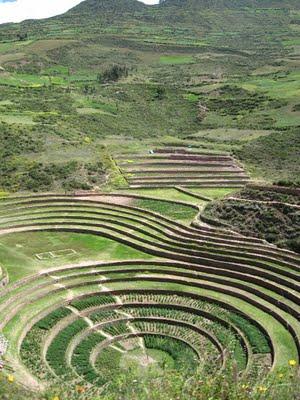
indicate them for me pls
(280, 376)
(10, 378)
(245, 387)
(56, 398)
(262, 389)
(292, 363)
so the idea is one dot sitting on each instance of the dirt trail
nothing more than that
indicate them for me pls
(129, 325)
(121, 200)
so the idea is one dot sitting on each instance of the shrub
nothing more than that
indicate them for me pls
(113, 73)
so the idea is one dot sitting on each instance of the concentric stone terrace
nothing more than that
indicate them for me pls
(169, 167)
(200, 296)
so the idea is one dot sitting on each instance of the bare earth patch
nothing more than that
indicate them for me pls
(123, 201)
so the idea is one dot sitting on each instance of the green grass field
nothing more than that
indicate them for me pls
(18, 251)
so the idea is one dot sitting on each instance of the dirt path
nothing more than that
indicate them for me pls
(120, 200)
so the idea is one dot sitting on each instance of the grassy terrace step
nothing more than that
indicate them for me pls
(239, 293)
(190, 180)
(147, 214)
(176, 163)
(289, 296)
(168, 156)
(213, 274)
(187, 178)
(127, 278)
(195, 255)
(207, 310)
(226, 337)
(172, 169)
(185, 183)
(206, 249)
(282, 298)
(26, 284)
(184, 171)
(114, 328)
(151, 217)
(175, 157)
(271, 335)
(182, 149)
(185, 150)
(134, 278)
(79, 276)
(82, 212)
(182, 356)
(151, 226)
(54, 199)
(99, 354)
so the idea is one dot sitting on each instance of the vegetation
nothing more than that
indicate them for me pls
(274, 157)
(261, 213)
(129, 73)
(156, 386)
(156, 307)
(169, 209)
(136, 118)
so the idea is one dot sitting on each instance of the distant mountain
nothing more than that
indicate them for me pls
(107, 6)
(188, 12)
(97, 14)
(219, 4)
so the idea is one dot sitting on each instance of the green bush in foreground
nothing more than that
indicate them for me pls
(171, 385)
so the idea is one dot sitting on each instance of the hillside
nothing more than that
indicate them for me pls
(261, 213)
(185, 67)
(149, 202)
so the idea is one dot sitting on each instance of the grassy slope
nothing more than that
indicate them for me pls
(242, 64)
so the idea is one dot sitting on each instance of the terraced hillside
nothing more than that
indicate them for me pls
(179, 166)
(184, 298)
(137, 262)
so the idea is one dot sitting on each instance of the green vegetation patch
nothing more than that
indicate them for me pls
(56, 351)
(169, 209)
(275, 221)
(274, 157)
(176, 59)
(18, 251)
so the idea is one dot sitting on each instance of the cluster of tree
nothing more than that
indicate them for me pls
(22, 36)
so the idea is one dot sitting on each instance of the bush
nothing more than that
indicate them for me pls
(113, 74)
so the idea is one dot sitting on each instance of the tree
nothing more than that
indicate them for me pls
(22, 36)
